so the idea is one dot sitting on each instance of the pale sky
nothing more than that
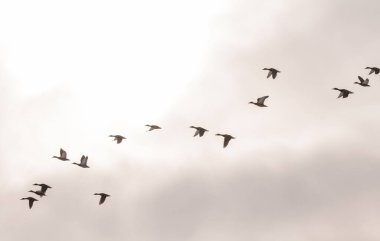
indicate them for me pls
(304, 168)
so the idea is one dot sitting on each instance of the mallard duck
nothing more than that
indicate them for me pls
(272, 72)
(199, 131)
(83, 162)
(343, 92)
(62, 156)
(260, 101)
(118, 138)
(103, 197)
(31, 201)
(227, 139)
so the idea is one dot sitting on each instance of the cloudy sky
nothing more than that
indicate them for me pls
(305, 168)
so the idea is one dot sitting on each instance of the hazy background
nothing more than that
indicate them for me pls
(305, 168)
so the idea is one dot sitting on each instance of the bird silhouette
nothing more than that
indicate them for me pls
(199, 131)
(31, 201)
(272, 72)
(363, 82)
(83, 162)
(43, 186)
(227, 139)
(153, 127)
(118, 138)
(38, 192)
(373, 70)
(260, 101)
(103, 197)
(343, 92)
(62, 156)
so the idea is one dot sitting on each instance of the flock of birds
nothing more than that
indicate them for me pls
(200, 131)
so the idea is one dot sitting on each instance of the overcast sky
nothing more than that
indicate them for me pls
(304, 168)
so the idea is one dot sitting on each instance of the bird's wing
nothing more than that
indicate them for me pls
(118, 140)
(261, 99)
(340, 94)
(372, 70)
(345, 93)
(30, 202)
(269, 74)
(274, 73)
(361, 79)
(201, 132)
(366, 81)
(83, 160)
(197, 132)
(102, 199)
(226, 141)
(43, 189)
(63, 153)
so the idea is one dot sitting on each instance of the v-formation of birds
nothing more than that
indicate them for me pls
(199, 131)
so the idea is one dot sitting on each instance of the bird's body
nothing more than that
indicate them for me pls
(31, 201)
(343, 92)
(373, 70)
(260, 101)
(153, 127)
(103, 197)
(272, 72)
(199, 131)
(63, 155)
(227, 139)
(363, 82)
(83, 162)
(118, 138)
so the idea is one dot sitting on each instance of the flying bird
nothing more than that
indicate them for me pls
(363, 82)
(83, 162)
(343, 92)
(199, 131)
(62, 156)
(272, 72)
(38, 192)
(103, 197)
(227, 139)
(31, 201)
(153, 127)
(373, 70)
(118, 138)
(260, 101)
(43, 186)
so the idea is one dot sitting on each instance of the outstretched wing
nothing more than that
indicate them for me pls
(361, 79)
(274, 73)
(31, 202)
(118, 139)
(366, 81)
(197, 132)
(269, 73)
(63, 153)
(372, 70)
(261, 100)
(340, 94)
(83, 160)
(201, 132)
(102, 199)
(226, 141)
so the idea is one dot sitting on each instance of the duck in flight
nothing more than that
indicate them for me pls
(38, 192)
(63, 155)
(117, 138)
(153, 127)
(43, 186)
(260, 101)
(363, 82)
(272, 72)
(103, 197)
(227, 139)
(373, 70)
(199, 131)
(343, 92)
(31, 201)
(83, 162)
